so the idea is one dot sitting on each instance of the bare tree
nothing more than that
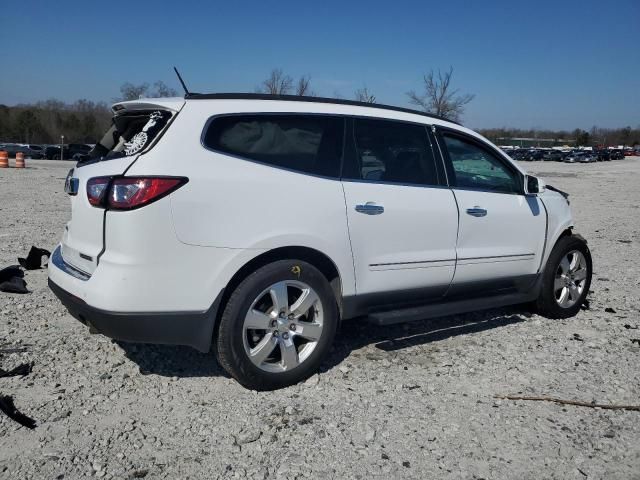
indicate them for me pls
(439, 98)
(278, 83)
(303, 87)
(129, 91)
(364, 95)
(163, 90)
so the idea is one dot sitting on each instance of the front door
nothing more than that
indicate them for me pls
(502, 232)
(403, 221)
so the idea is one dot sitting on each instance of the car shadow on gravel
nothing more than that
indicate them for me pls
(176, 361)
(172, 361)
(357, 334)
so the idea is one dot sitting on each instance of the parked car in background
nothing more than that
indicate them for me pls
(29, 151)
(603, 155)
(573, 156)
(629, 153)
(76, 151)
(12, 149)
(553, 155)
(258, 238)
(616, 154)
(52, 152)
(588, 157)
(520, 154)
(536, 155)
(34, 151)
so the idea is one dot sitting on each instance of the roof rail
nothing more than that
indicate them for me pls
(298, 98)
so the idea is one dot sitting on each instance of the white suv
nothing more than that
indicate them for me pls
(256, 223)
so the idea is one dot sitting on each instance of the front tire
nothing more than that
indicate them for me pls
(277, 325)
(566, 278)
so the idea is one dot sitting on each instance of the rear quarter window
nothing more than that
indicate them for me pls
(303, 143)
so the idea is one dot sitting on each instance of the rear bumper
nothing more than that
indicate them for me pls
(194, 329)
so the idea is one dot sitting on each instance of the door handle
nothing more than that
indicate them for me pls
(477, 211)
(370, 208)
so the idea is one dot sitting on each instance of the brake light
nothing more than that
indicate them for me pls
(127, 193)
(96, 189)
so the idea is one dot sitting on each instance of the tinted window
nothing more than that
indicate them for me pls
(477, 168)
(396, 152)
(306, 143)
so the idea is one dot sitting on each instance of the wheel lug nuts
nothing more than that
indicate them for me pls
(285, 336)
(275, 333)
(282, 315)
(273, 323)
(292, 327)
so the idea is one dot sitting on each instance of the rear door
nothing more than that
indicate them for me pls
(402, 221)
(502, 232)
(135, 128)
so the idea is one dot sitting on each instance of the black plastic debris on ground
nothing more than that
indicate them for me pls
(34, 260)
(12, 281)
(22, 369)
(609, 310)
(6, 401)
(7, 406)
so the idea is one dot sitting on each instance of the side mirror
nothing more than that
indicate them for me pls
(533, 185)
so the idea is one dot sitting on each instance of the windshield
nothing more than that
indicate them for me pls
(129, 134)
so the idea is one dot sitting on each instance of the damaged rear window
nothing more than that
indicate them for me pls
(130, 133)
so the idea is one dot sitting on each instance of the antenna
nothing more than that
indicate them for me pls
(186, 91)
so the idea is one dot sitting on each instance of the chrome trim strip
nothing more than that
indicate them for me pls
(59, 262)
(411, 263)
(451, 260)
(498, 256)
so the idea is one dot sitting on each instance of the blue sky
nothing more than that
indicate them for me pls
(544, 64)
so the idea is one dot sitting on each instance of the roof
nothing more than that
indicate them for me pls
(298, 98)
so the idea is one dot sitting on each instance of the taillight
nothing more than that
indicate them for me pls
(96, 189)
(126, 193)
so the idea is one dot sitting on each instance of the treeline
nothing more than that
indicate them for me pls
(83, 121)
(45, 122)
(595, 136)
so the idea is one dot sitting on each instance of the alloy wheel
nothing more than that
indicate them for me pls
(570, 279)
(283, 326)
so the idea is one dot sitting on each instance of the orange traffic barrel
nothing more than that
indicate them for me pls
(4, 159)
(19, 160)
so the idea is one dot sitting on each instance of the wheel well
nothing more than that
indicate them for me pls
(309, 255)
(568, 231)
(565, 233)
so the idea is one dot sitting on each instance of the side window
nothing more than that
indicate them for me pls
(304, 143)
(396, 152)
(476, 168)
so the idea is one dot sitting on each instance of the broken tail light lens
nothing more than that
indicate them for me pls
(127, 193)
(96, 189)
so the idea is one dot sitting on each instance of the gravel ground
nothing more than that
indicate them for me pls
(409, 401)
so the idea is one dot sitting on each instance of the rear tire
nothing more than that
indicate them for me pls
(277, 325)
(566, 278)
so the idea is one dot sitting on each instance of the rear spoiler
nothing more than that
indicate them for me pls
(173, 104)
